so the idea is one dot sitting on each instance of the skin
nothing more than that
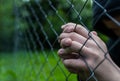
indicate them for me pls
(74, 58)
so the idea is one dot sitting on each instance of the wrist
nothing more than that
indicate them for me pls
(108, 71)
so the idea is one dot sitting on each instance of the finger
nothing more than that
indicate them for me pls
(94, 32)
(76, 28)
(65, 25)
(66, 42)
(73, 36)
(75, 65)
(62, 53)
(69, 28)
(75, 47)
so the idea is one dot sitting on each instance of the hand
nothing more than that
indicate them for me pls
(77, 57)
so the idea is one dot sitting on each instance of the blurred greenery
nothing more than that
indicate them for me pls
(50, 16)
(6, 24)
(45, 18)
(22, 67)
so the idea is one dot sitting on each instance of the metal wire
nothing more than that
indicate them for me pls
(41, 18)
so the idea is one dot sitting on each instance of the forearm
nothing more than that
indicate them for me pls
(105, 73)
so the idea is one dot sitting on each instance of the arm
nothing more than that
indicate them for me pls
(72, 40)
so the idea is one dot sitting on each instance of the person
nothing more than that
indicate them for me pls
(84, 51)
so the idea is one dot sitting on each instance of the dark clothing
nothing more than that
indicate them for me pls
(100, 8)
(112, 8)
(114, 50)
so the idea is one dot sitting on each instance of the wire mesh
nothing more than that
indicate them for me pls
(37, 30)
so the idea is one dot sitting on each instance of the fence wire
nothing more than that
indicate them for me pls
(37, 28)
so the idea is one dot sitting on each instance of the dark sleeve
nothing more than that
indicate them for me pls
(114, 50)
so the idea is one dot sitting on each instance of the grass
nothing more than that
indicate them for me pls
(23, 66)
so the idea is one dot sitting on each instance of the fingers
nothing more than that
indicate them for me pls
(66, 42)
(73, 36)
(70, 27)
(63, 54)
(73, 50)
(77, 44)
(75, 65)
(70, 46)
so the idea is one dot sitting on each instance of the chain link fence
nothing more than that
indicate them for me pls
(37, 28)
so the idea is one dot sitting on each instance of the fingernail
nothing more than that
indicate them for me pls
(68, 42)
(69, 29)
(63, 26)
(60, 51)
(94, 32)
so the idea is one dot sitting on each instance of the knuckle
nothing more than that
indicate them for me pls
(66, 42)
(80, 26)
(72, 34)
(62, 42)
(69, 29)
(62, 35)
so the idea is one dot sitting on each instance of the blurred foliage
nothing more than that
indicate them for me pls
(22, 67)
(45, 18)
(39, 16)
(6, 24)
